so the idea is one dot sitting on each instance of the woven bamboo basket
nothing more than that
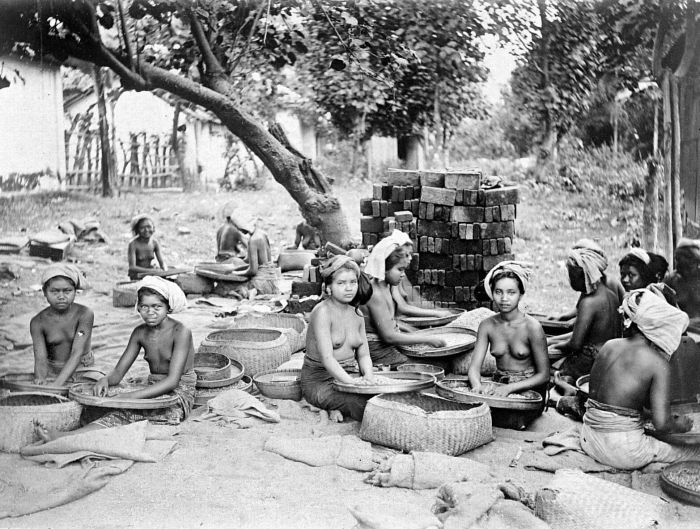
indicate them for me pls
(18, 411)
(257, 349)
(415, 421)
(293, 325)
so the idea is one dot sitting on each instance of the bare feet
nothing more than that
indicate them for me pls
(565, 387)
(335, 415)
(43, 432)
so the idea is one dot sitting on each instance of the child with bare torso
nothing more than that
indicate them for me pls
(61, 332)
(336, 338)
(264, 275)
(516, 340)
(168, 349)
(143, 248)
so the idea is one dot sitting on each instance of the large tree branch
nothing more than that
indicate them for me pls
(691, 40)
(659, 38)
(213, 66)
(258, 14)
(128, 49)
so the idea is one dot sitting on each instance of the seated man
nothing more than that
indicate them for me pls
(307, 236)
(628, 374)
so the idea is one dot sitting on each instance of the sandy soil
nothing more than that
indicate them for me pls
(220, 476)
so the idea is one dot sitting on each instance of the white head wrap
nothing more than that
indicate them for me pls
(640, 254)
(591, 261)
(519, 268)
(170, 291)
(375, 262)
(661, 323)
(64, 270)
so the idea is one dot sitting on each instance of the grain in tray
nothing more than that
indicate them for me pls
(451, 339)
(686, 477)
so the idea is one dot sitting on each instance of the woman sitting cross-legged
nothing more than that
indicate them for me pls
(169, 351)
(336, 337)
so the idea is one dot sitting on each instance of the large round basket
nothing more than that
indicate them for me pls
(82, 393)
(459, 390)
(458, 341)
(18, 411)
(257, 349)
(690, 438)
(415, 421)
(25, 382)
(212, 366)
(204, 395)
(423, 322)
(681, 480)
(280, 384)
(219, 272)
(293, 325)
(429, 369)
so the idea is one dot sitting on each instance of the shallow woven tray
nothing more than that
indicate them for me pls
(428, 369)
(688, 438)
(280, 384)
(235, 374)
(672, 487)
(220, 272)
(458, 341)
(25, 382)
(82, 393)
(202, 396)
(582, 383)
(458, 389)
(553, 327)
(212, 366)
(421, 322)
(163, 273)
(405, 381)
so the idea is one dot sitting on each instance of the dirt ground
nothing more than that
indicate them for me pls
(219, 476)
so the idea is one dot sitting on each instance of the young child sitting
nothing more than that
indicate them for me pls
(597, 318)
(143, 248)
(517, 340)
(62, 331)
(169, 351)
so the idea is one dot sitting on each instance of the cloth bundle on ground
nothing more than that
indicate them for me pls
(70, 271)
(87, 230)
(346, 451)
(425, 470)
(177, 301)
(393, 516)
(238, 407)
(49, 237)
(589, 257)
(578, 501)
(129, 442)
(520, 268)
(377, 258)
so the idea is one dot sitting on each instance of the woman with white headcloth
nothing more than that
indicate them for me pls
(386, 266)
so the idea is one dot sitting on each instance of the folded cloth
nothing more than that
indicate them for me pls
(511, 515)
(376, 261)
(64, 270)
(235, 404)
(347, 451)
(426, 470)
(660, 322)
(392, 516)
(122, 442)
(28, 488)
(519, 268)
(461, 505)
(592, 262)
(177, 301)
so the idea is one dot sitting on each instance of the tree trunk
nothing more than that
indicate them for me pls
(107, 163)
(655, 142)
(411, 151)
(178, 151)
(668, 183)
(676, 161)
(651, 206)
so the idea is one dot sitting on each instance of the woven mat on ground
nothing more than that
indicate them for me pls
(238, 407)
(426, 470)
(460, 505)
(122, 442)
(509, 514)
(578, 501)
(392, 516)
(346, 451)
(26, 487)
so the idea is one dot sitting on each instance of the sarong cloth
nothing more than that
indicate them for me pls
(615, 436)
(505, 376)
(580, 364)
(267, 280)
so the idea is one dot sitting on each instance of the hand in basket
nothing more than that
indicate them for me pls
(500, 391)
(367, 380)
(101, 388)
(434, 341)
(682, 423)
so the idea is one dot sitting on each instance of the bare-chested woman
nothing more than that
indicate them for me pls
(336, 337)
(685, 280)
(61, 333)
(517, 340)
(264, 275)
(144, 248)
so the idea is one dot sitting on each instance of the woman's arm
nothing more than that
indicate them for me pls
(386, 326)
(478, 355)
(131, 255)
(253, 262)
(363, 357)
(41, 358)
(80, 346)
(321, 328)
(158, 254)
(125, 362)
(538, 348)
(660, 396)
(584, 320)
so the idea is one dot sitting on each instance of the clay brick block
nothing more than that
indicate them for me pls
(434, 228)
(478, 262)
(376, 208)
(431, 245)
(402, 177)
(423, 244)
(507, 212)
(438, 195)
(486, 247)
(365, 206)
(402, 193)
(447, 246)
(388, 224)
(386, 192)
(431, 260)
(464, 246)
(430, 211)
(496, 213)
(480, 200)
(501, 195)
(434, 277)
(371, 224)
(432, 179)
(407, 205)
(459, 197)
(408, 190)
(416, 191)
(462, 230)
(468, 179)
(459, 294)
(507, 244)
(419, 277)
(403, 216)
(467, 214)
(415, 206)
(438, 245)
(494, 246)
(488, 214)
(365, 239)
(377, 191)
(441, 278)
(463, 263)
(501, 245)
(455, 279)
(470, 263)
(455, 261)
(494, 230)
(415, 261)
(304, 289)
(384, 207)
(373, 238)
(454, 231)
(395, 193)
(489, 261)
(422, 210)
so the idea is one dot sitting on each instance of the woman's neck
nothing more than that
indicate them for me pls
(511, 316)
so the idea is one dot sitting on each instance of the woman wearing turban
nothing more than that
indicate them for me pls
(61, 332)
(629, 374)
(336, 338)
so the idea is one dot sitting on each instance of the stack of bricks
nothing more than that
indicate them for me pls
(460, 233)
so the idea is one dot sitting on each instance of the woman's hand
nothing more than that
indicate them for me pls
(101, 387)
(40, 381)
(434, 341)
(501, 391)
(682, 424)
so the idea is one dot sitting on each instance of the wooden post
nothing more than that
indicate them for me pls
(651, 206)
(676, 161)
(105, 145)
(668, 183)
